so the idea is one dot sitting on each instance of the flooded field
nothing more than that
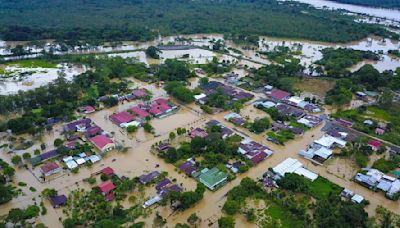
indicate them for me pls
(314, 86)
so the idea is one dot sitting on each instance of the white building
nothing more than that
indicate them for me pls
(291, 165)
(330, 142)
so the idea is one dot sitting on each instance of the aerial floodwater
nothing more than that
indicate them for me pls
(391, 14)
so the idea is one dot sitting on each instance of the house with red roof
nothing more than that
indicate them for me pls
(161, 101)
(108, 171)
(106, 189)
(260, 156)
(198, 132)
(103, 143)
(379, 131)
(139, 93)
(375, 144)
(122, 117)
(141, 113)
(279, 95)
(50, 169)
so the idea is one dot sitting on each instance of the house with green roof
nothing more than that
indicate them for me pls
(213, 178)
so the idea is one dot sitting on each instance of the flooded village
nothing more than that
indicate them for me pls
(169, 132)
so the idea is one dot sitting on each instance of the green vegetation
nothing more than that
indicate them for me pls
(336, 61)
(386, 166)
(34, 63)
(374, 3)
(153, 52)
(260, 125)
(139, 20)
(283, 54)
(394, 52)
(188, 199)
(179, 91)
(18, 217)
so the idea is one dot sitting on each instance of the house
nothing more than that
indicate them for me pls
(200, 98)
(171, 188)
(291, 165)
(108, 171)
(93, 131)
(87, 109)
(137, 111)
(122, 117)
(213, 178)
(235, 119)
(254, 151)
(139, 93)
(279, 95)
(357, 199)
(106, 189)
(50, 169)
(162, 184)
(188, 167)
(310, 121)
(163, 147)
(368, 122)
(260, 156)
(103, 143)
(94, 158)
(146, 178)
(79, 125)
(345, 123)
(198, 132)
(329, 142)
(70, 162)
(152, 201)
(320, 154)
(361, 95)
(288, 110)
(58, 201)
(375, 145)
(379, 131)
(264, 104)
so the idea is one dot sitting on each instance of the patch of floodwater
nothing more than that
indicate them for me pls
(391, 14)
(35, 78)
(139, 55)
(195, 55)
(311, 51)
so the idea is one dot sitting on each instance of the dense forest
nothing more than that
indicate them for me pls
(374, 3)
(144, 19)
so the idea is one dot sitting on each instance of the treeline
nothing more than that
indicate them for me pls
(367, 77)
(143, 19)
(337, 61)
(375, 3)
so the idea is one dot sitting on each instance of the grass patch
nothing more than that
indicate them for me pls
(279, 213)
(384, 166)
(33, 63)
(321, 187)
(378, 113)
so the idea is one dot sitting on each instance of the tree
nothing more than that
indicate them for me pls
(58, 142)
(193, 219)
(31, 212)
(231, 207)
(153, 52)
(147, 127)
(172, 135)
(15, 215)
(6, 193)
(131, 129)
(203, 81)
(16, 159)
(386, 99)
(26, 156)
(226, 222)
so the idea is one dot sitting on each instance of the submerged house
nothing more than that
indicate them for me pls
(103, 143)
(213, 178)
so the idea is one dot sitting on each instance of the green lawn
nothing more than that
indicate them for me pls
(33, 63)
(279, 213)
(321, 187)
(377, 113)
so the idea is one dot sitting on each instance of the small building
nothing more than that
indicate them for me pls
(198, 132)
(87, 109)
(70, 162)
(213, 178)
(291, 165)
(107, 187)
(103, 143)
(344, 123)
(279, 95)
(79, 125)
(122, 117)
(108, 171)
(94, 158)
(142, 114)
(152, 201)
(368, 122)
(162, 184)
(329, 142)
(50, 169)
(375, 144)
(188, 167)
(58, 201)
(139, 93)
(357, 199)
(146, 178)
(379, 131)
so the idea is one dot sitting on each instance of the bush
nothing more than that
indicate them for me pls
(131, 129)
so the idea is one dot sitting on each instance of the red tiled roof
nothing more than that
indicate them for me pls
(139, 93)
(155, 110)
(100, 141)
(106, 186)
(108, 171)
(161, 101)
(198, 132)
(375, 143)
(279, 94)
(89, 108)
(110, 196)
(258, 157)
(164, 107)
(140, 112)
(122, 117)
(49, 167)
